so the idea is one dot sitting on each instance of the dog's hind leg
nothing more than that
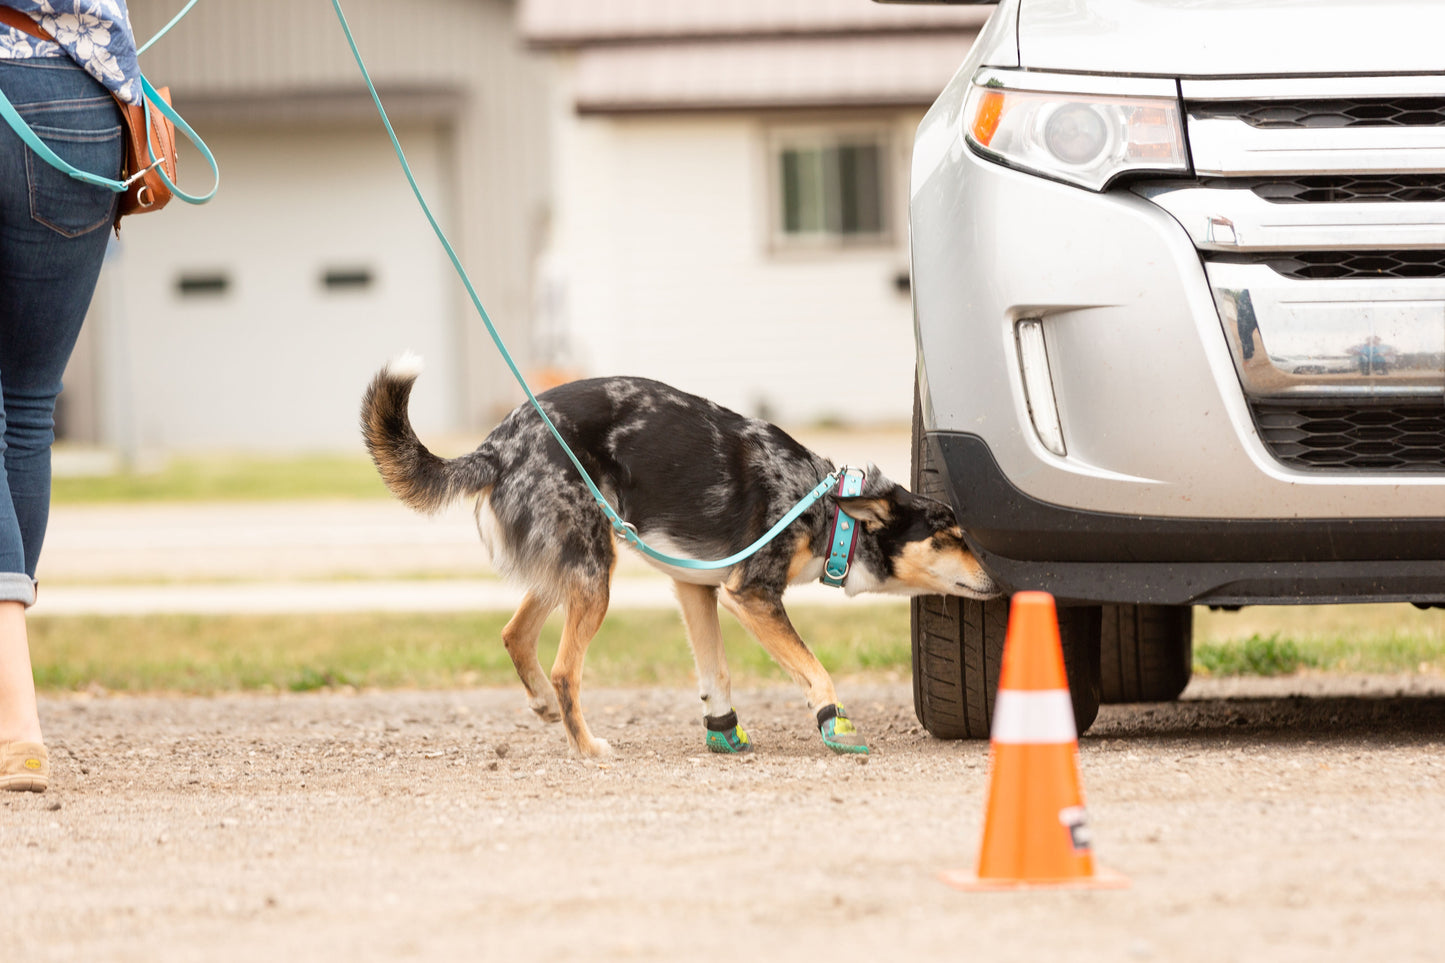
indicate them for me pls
(520, 637)
(699, 615)
(762, 614)
(585, 608)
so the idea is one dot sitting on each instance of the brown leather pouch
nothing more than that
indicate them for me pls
(147, 192)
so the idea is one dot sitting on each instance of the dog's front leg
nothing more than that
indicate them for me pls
(699, 615)
(761, 612)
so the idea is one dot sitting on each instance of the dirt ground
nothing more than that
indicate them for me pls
(1295, 819)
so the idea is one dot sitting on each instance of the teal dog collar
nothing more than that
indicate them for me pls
(841, 544)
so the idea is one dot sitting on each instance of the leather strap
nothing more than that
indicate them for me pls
(150, 155)
(14, 18)
(841, 542)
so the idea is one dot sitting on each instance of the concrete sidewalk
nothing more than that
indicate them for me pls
(273, 598)
(340, 555)
(277, 557)
(294, 557)
(328, 556)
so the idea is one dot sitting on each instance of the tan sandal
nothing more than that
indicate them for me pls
(24, 767)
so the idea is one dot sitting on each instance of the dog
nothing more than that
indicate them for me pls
(695, 480)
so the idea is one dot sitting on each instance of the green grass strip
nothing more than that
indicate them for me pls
(211, 654)
(229, 478)
(1276, 640)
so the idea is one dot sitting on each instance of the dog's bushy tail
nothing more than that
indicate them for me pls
(413, 474)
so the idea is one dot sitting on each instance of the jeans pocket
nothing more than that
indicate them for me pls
(60, 202)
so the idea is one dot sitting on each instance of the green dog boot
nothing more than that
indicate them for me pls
(725, 735)
(839, 733)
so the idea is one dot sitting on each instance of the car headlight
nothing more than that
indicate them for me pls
(1081, 129)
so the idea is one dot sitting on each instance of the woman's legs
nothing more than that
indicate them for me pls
(53, 234)
(19, 720)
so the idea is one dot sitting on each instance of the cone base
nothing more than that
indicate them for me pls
(971, 882)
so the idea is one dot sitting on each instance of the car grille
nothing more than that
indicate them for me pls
(1340, 188)
(1326, 210)
(1284, 114)
(1333, 436)
(1342, 265)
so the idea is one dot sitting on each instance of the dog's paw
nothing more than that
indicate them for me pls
(594, 749)
(725, 735)
(838, 731)
(547, 711)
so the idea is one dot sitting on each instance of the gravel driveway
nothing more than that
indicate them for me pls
(1296, 819)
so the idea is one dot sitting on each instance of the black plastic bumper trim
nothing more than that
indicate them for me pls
(1082, 555)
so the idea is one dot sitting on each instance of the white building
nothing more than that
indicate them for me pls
(710, 193)
(730, 194)
(255, 321)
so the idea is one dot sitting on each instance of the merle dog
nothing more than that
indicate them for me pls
(696, 481)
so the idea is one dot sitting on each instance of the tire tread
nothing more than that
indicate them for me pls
(1146, 652)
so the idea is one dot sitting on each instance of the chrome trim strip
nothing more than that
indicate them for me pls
(1256, 224)
(1232, 148)
(1077, 83)
(1332, 339)
(1311, 88)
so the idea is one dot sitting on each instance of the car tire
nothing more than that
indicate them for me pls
(958, 643)
(1146, 652)
(958, 651)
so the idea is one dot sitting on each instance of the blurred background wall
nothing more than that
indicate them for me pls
(710, 194)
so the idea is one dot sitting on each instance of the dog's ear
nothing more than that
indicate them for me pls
(874, 513)
(876, 506)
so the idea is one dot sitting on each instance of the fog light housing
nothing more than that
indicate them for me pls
(1039, 385)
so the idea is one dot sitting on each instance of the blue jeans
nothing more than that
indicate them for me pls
(53, 233)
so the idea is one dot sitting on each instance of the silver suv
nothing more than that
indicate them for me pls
(1179, 292)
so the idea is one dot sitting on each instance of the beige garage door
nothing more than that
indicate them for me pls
(254, 322)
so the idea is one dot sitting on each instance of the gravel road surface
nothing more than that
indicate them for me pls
(1280, 820)
(1294, 819)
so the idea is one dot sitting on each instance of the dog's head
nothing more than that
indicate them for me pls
(910, 545)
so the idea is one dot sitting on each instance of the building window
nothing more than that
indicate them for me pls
(831, 189)
(347, 278)
(203, 284)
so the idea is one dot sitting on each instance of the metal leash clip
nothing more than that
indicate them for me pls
(626, 531)
(142, 173)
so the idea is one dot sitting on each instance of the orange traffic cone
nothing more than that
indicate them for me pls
(1035, 832)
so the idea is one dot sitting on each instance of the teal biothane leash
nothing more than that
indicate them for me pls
(153, 101)
(621, 527)
(836, 568)
(166, 29)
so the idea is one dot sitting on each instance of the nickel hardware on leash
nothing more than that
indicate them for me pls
(152, 100)
(623, 529)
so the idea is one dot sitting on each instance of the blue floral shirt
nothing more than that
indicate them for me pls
(94, 33)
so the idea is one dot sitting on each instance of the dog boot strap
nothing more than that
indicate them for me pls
(838, 731)
(725, 735)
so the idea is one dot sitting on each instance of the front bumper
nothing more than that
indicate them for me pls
(1087, 556)
(1165, 490)
(1148, 396)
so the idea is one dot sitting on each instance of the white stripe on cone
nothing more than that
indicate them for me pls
(1033, 718)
